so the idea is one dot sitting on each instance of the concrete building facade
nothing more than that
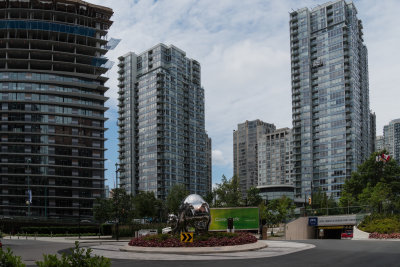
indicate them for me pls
(330, 96)
(52, 107)
(245, 155)
(275, 166)
(379, 143)
(162, 135)
(372, 135)
(391, 133)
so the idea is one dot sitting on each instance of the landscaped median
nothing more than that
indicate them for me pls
(212, 242)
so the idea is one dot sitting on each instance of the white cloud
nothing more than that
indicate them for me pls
(219, 159)
(244, 53)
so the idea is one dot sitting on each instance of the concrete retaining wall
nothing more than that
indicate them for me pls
(359, 235)
(299, 230)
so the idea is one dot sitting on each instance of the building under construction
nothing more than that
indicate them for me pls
(52, 106)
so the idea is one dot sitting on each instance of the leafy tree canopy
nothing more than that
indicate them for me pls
(279, 210)
(146, 205)
(228, 193)
(375, 183)
(253, 197)
(175, 197)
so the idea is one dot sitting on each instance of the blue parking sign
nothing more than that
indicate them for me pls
(313, 221)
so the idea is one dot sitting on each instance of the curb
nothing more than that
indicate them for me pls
(197, 250)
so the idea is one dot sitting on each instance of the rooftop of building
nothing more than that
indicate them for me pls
(157, 45)
(394, 121)
(84, 3)
(324, 5)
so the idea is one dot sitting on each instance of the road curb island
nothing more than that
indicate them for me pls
(196, 250)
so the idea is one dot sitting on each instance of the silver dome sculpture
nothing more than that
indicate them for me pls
(193, 212)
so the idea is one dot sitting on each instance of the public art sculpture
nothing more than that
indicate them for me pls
(193, 212)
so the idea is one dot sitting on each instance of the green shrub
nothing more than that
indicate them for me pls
(106, 229)
(380, 223)
(202, 237)
(8, 259)
(56, 235)
(159, 237)
(79, 257)
(60, 229)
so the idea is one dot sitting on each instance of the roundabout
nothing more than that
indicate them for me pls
(196, 250)
(260, 249)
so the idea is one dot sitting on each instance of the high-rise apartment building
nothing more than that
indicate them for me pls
(372, 134)
(52, 107)
(161, 122)
(391, 133)
(379, 143)
(275, 167)
(330, 96)
(245, 155)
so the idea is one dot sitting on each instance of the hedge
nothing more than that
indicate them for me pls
(59, 230)
(55, 235)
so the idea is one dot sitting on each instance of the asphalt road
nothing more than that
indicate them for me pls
(327, 253)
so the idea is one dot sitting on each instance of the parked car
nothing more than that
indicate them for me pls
(347, 234)
(1, 244)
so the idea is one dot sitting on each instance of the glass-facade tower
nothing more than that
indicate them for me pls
(330, 96)
(162, 135)
(52, 107)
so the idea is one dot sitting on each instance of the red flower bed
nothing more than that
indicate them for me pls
(208, 240)
(384, 236)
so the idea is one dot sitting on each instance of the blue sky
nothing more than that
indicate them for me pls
(243, 48)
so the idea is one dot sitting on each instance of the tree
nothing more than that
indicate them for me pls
(210, 198)
(376, 197)
(322, 205)
(147, 205)
(103, 210)
(263, 212)
(122, 205)
(375, 183)
(279, 210)
(228, 193)
(175, 197)
(253, 197)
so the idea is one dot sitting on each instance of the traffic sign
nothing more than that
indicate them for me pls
(187, 237)
(312, 221)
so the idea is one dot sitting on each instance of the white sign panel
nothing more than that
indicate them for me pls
(337, 220)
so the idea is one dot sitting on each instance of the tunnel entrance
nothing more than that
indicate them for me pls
(335, 232)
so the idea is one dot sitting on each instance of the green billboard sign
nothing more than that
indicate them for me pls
(243, 218)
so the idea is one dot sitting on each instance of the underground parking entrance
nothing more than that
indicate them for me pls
(334, 227)
(334, 232)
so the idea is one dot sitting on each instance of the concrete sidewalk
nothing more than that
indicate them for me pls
(70, 239)
(271, 249)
